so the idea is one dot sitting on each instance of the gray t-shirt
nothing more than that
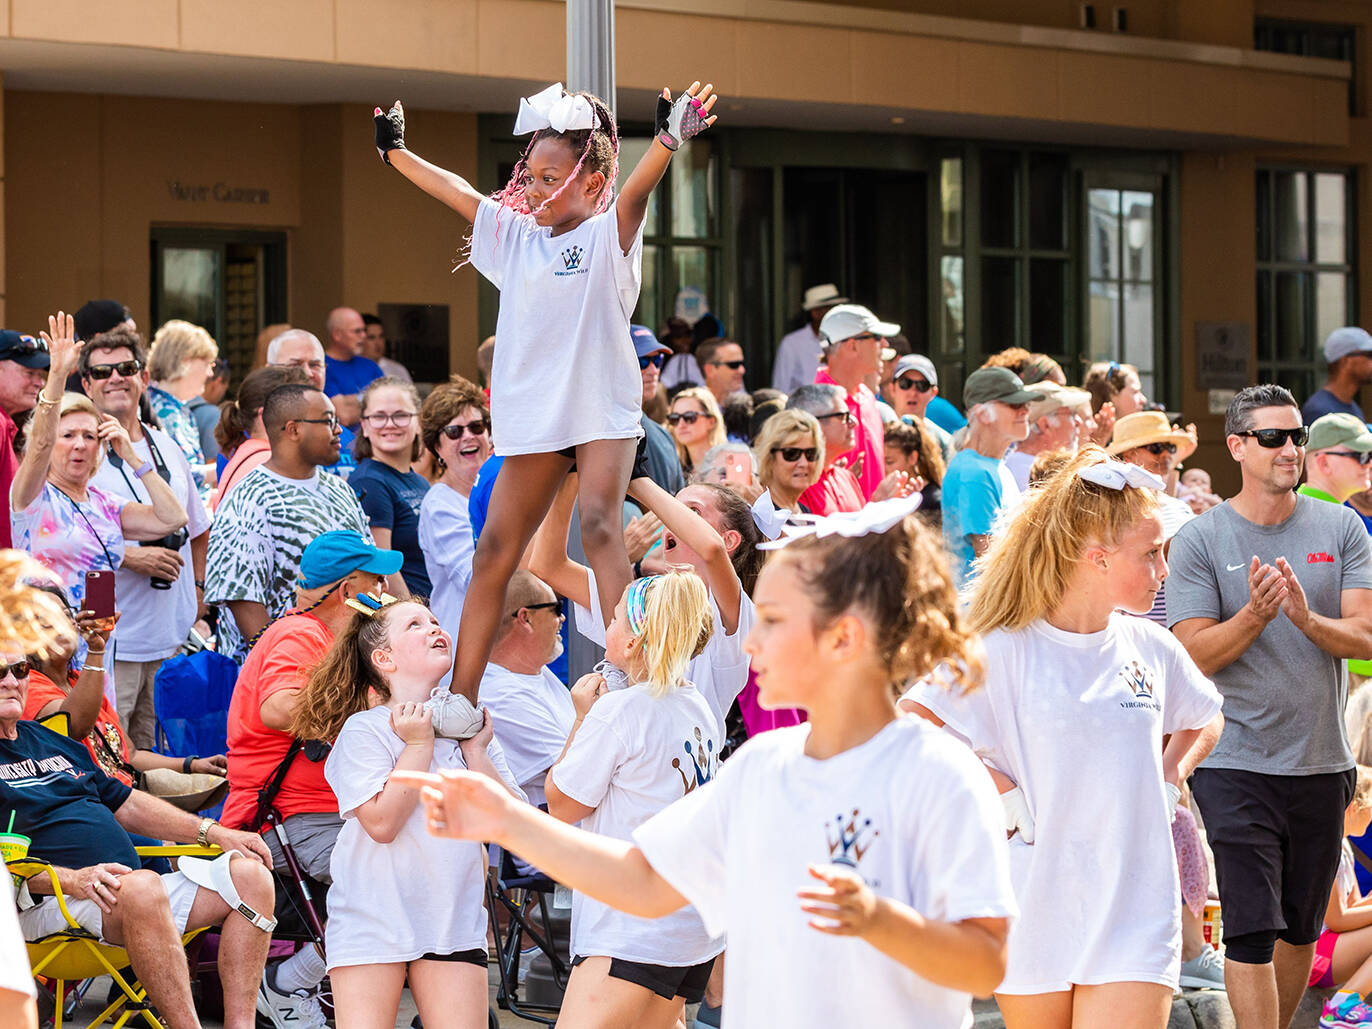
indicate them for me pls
(1283, 696)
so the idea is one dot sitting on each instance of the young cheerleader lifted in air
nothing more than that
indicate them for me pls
(631, 753)
(567, 256)
(896, 831)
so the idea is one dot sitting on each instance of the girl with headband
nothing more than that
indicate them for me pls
(908, 901)
(1092, 718)
(402, 903)
(631, 753)
(567, 255)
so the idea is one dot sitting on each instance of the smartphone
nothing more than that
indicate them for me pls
(100, 594)
(738, 468)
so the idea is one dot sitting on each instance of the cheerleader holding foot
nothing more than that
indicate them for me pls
(851, 895)
(567, 257)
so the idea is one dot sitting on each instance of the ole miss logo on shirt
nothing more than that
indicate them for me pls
(1319, 557)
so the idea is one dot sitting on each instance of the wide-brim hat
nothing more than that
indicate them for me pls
(1144, 427)
(194, 791)
(823, 295)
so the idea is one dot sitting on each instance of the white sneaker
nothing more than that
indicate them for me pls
(454, 717)
(298, 1010)
(614, 678)
(1205, 971)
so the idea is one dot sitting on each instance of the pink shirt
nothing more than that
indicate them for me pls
(836, 490)
(9, 464)
(871, 438)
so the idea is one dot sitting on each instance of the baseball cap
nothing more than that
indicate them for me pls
(1052, 396)
(97, 316)
(23, 349)
(335, 555)
(1348, 340)
(916, 363)
(645, 343)
(1339, 429)
(996, 384)
(848, 320)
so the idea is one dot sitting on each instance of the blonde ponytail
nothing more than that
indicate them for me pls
(677, 623)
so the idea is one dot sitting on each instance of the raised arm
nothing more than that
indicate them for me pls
(676, 122)
(548, 552)
(143, 521)
(82, 702)
(42, 434)
(451, 189)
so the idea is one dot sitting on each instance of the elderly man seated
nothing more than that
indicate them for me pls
(531, 710)
(79, 820)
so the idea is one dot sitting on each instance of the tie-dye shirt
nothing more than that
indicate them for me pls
(71, 538)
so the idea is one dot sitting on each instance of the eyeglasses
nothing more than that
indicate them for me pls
(379, 420)
(456, 431)
(20, 670)
(689, 417)
(1272, 439)
(1158, 449)
(331, 420)
(126, 369)
(735, 365)
(549, 606)
(652, 359)
(796, 453)
(905, 382)
(846, 415)
(1362, 459)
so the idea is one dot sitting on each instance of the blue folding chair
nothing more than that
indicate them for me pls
(191, 696)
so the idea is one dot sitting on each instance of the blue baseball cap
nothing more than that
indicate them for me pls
(23, 349)
(335, 555)
(645, 343)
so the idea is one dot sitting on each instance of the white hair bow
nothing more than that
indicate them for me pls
(553, 109)
(768, 518)
(1114, 474)
(876, 517)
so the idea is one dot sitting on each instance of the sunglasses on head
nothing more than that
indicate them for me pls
(20, 670)
(456, 431)
(796, 453)
(1273, 439)
(28, 345)
(1362, 459)
(652, 359)
(1158, 449)
(689, 417)
(905, 382)
(125, 368)
(735, 365)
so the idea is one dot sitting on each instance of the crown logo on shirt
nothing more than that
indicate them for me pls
(702, 759)
(1137, 678)
(853, 840)
(571, 257)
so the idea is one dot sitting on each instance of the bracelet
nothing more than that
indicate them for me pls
(202, 835)
(92, 668)
(43, 398)
(186, 763)
(200, 584)
(142, 470)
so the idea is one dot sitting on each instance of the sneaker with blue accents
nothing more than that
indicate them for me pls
(1345, 1011)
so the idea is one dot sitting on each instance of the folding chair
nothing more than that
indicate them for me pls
(73, 954)
(520, 896)
(191, 696)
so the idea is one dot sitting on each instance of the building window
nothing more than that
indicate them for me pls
(1310, 39)
(1306, 271)
(1121, 299)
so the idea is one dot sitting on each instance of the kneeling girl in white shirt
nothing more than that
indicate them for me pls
(850, 895)
(402, 902)
(1096, 716)
(631, 753)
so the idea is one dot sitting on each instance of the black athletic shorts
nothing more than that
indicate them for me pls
(1276, 840)
(667, 981)
(467, 957)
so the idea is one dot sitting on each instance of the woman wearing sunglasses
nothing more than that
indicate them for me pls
(386, 484)
(455, 426)
(790, 455)
(696, 423)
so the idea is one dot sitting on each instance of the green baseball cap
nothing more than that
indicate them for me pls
(996, 384)
(1339, 430)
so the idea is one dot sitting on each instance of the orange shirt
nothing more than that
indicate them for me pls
(104, 742)
(281, 660)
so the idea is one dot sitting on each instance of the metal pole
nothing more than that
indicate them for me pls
(591, 48)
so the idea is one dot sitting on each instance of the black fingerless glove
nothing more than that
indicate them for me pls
(390, 131)
(664, 114)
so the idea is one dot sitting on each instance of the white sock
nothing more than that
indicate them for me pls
(303, 970)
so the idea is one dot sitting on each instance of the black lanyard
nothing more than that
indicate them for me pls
(109, 558)
(157, 462)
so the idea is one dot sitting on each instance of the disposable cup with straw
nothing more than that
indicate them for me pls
(14, 846)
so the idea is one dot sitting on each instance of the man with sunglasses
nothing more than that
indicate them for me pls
(855, 348)
(664, 467)
(23, 370)
(722, 366)
(914, 390)
(1270, 592)
(1338, 459)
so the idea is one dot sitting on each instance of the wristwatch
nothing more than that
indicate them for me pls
(202, 835)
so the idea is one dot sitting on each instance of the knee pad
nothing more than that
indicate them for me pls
(1251, 948)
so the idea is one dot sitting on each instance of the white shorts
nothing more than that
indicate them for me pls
(45, 918)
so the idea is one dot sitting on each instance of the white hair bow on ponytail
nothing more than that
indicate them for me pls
(553, 108)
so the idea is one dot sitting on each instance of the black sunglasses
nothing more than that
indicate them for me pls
(905, 382)
(125, 368)
(652, 359)
(1158, 449)
(1272, 439)
(20, 670)
(477, 428)
(796, 453)
(549, 606)
(1362, 459)
(847, 416)
(735, 365)
(689, 417)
